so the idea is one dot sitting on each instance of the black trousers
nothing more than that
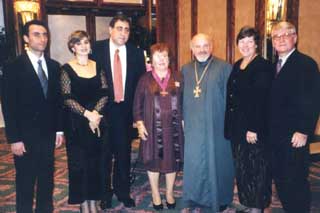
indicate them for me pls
(118, 148)
(290, 168)
(35, 167)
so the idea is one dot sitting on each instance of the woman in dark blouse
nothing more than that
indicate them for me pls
(157, 113)
(245, 122)
(84, 92)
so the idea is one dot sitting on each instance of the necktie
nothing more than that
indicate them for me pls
(117, 78)
(279, 64)
(43, 78)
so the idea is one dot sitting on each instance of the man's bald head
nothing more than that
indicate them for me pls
(201, 46)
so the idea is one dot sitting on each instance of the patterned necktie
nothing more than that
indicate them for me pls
(279, 64)
(43, 78)
(117, 78)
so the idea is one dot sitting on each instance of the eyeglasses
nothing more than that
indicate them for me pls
(122, 29)
(284, 36)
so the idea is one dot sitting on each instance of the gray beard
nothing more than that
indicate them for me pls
(203, 59)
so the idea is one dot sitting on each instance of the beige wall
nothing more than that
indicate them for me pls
(309, 28)
(184, 32)
(212, 20)
(59, 34)
(244, 15)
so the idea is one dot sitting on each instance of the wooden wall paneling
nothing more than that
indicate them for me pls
(293, 12)
(98, 8)
(194, 17)
(91, 26)
(244, 16)
(148, 9)
(309, 30)
(230, 47)
(212, 20)
(185, 19)
(167, 25)
(260, 11)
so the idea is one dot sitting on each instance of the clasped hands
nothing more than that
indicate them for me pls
(94, 119)
(142, 131)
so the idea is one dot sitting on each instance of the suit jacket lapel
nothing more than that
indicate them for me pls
(50, 77)
(29, 68)
(31, 73)
(286, 66)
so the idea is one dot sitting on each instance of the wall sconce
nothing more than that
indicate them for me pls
(275, 12)
(28, 10)
(25, 10)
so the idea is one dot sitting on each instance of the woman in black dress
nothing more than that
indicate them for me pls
(84, 92)
(157, 112)
(245, 122)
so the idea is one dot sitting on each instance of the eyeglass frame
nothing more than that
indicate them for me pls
(284, 36)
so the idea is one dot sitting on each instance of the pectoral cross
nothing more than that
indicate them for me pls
(197, 91)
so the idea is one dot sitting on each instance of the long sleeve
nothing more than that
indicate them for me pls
(138, 103)
(307, 100)
(10, 105)
(68, 99)
(102, 93)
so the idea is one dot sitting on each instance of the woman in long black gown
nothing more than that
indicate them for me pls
(84, 91)
(245, 122)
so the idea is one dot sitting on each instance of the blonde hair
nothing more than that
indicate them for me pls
(76, 37)
(284, 25)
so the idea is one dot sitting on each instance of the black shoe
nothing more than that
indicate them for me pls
(171, 205)
(128, 202)
(105, 204)
(157, 207)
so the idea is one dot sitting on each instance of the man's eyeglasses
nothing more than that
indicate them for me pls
(284, 36)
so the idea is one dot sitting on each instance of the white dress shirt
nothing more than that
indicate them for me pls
(34, 60)
(285, 58)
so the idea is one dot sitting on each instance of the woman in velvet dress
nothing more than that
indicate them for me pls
(84, 91)
(157, 113)
(245, 122)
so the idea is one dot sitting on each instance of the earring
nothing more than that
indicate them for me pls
(90, 52)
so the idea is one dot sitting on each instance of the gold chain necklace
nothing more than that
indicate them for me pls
(197, 89)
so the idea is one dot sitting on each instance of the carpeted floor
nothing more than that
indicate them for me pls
(140, 189)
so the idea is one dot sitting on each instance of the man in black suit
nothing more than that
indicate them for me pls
(294, 109)
(31, 109)
(119, 109)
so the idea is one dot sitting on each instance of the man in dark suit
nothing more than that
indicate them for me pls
(30, 103)
(294, 109)
(124, 64)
